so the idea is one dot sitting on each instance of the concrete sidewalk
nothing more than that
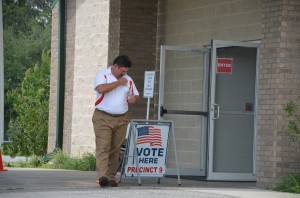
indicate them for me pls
(24, 182)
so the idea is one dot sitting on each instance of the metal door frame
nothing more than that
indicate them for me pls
(161, 110)
(229, 176)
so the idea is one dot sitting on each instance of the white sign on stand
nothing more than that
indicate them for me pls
(146, 149)
(149, 84)
(149, 88)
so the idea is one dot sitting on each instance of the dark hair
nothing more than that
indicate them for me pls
(123, 61)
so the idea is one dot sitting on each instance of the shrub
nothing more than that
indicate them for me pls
(294, 119)
(61, 160)
(291, 184)
(28, 128)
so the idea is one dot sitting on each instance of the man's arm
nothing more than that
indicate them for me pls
(104, 88)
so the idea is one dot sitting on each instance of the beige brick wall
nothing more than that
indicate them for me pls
(278, 84)
(86, 53)
(194, 23)
(91, 48)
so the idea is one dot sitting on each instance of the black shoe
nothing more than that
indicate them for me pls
(103, 182)
(113, 183)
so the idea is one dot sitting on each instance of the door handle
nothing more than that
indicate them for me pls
(163, 111)
(216, 107)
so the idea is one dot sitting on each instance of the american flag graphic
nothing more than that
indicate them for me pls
(149, 134)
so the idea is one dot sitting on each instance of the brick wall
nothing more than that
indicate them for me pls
(136, 24)
(114, 30)
(278, 84)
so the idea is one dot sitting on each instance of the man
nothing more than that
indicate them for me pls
(114, 90)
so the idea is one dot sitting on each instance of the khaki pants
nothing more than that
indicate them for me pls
(110, 133)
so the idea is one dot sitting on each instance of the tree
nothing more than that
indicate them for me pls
(26, 33)
(22, 15)
(28, 132)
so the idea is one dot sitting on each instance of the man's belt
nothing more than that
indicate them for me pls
(109, 114)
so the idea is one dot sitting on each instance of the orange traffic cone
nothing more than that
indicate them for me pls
(1, 163)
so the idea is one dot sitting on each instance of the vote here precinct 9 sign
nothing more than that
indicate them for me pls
(151, 148)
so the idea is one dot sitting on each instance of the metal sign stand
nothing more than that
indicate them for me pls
(132, 138)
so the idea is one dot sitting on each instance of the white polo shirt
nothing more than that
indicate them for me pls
(115, 101)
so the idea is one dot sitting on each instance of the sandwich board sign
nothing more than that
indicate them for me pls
(146, 149)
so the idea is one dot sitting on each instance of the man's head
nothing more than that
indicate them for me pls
(121, 66)
(122, 61)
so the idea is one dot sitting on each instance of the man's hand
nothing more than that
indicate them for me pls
(122, 81)
(132, 99)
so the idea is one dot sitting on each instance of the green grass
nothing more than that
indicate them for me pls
(59, 160)
(290, 183)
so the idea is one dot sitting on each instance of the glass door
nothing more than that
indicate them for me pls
(233, 107)
(183, 99)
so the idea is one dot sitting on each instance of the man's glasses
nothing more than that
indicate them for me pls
(122, 70)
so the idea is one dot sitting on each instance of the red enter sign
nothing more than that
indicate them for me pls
(224, 65)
